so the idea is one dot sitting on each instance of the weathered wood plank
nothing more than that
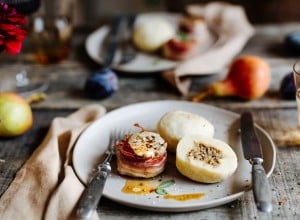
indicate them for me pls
(67, 78)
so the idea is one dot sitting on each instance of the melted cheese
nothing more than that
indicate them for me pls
(147, 144)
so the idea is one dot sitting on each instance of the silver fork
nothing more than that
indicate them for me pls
(89, 200)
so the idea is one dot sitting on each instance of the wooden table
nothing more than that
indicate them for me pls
(277, 116)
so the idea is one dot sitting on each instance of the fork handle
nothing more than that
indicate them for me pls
(89, 200)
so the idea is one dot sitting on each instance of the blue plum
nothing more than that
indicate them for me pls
(101, 85)
(287, 88)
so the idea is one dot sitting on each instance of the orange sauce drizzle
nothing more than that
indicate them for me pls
(141, 187)
(184, 197)
(138, 187)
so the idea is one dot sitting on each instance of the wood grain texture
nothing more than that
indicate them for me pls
(67, 78)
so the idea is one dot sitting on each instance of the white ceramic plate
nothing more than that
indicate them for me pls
(143, 62)
(94, 140)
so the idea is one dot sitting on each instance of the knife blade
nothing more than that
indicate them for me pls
(128, 50)
(112, 42)
(253, 152)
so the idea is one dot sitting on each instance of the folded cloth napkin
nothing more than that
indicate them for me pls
(46, 187)
(233, 30)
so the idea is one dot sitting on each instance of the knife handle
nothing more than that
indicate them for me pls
(261, 188)
(90, 198)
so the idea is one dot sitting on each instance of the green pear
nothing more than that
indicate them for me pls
(15, 115)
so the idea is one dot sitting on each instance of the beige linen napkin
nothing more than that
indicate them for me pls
(233, 30)
(46, 187)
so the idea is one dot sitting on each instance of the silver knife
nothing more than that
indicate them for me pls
(111, 42)
(89, 200)
(253, 153)
(128, 50)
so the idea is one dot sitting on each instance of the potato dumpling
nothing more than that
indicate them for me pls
(151, 34)
(176, 124)
(204, 159)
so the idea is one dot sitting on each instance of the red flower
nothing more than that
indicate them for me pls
(11, 32)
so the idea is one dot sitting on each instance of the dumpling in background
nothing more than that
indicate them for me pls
(150, 35)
